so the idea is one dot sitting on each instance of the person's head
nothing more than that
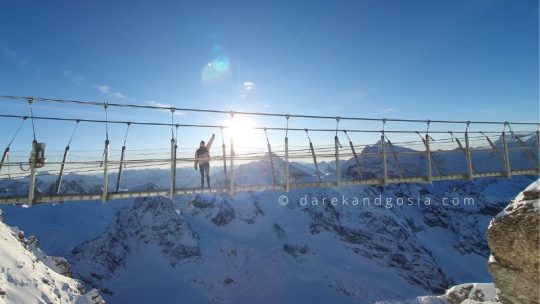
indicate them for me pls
(202, 144)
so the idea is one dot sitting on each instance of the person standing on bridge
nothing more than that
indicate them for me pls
(202, 159)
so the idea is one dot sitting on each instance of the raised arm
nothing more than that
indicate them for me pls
(209, 144)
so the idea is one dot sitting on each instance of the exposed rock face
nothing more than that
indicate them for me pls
(149, 221)
(513, 237)
(468, 293)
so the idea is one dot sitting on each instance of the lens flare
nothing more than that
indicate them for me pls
(218, 69)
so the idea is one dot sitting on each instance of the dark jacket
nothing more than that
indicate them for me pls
(202, 155)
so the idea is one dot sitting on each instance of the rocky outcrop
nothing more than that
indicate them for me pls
(28, 275)
(513, 237)
(468, 293)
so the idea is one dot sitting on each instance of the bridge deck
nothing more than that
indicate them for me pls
(44, 198)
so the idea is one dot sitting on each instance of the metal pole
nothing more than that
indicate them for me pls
(172, 183)
(385, 166)
(4, 156)
(287, 177)
(224, 161)
(338, 168)
(506, 157)
(272, 165)
(105, 172)
(231, 184)
(61, 174)
(32, 182)
(469, 157)
(120, 169)
(538, 139)
(428, 161)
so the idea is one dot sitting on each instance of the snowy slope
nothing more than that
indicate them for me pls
(27, 275)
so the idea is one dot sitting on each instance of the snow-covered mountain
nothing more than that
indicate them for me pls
(211, 248)
(27, 275)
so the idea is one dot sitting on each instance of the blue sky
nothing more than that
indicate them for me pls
(466, 60)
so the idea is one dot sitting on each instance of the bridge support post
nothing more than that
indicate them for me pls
(61, 174)
(506, 156)
(231, 183)
(470, 172)
(4, 156)
(385, 165)
(32, 182)
(287, 176)
(224, 159)
(104, 194)
(172, 182)
(538, 139)
(272, 165)
(120, 168)
(338, 167)
(428, 161)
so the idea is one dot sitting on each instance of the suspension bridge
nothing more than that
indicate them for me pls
(484, 153)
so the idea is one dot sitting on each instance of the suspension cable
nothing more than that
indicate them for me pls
(127, 132)
(217, 126)
(18, 130)
(156, 107)
(73, 133)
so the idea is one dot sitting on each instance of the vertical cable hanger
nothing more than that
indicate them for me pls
(5, 156)
(124, 144)
(313, 156)
(356, 160)
(73, 132)
(523, 146)
(60, 178)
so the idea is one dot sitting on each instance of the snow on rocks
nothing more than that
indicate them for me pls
(25, 275)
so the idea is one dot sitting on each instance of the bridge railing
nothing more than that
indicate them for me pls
(404, 155)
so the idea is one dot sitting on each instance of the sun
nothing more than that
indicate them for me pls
(240, 129)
